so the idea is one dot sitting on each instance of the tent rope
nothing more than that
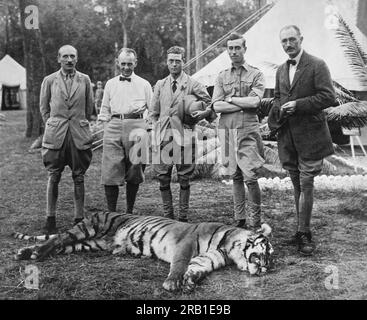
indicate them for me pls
(259, 13)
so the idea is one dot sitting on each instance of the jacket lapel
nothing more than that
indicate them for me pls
(76, 83)
(61, 84)
(285, 75)
(303, 62)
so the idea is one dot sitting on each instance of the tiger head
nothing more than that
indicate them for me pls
(258, 253)
(254, 254)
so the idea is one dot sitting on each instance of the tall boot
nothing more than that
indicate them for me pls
(166, 195)
(78, 198)
(239, 202)
(112, 194)
(131, 191)
(184, 203)
(254, 205)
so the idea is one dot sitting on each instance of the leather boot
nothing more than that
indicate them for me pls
(184, 203)
(112, 194)
(239, 202)
(131, 191)
(254, 206)
(166, 195)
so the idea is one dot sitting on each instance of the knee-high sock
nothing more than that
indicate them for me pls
(296, 192)
(305, 204)
(52, 194)
(79, 197)
(131, 191)
(112, 193)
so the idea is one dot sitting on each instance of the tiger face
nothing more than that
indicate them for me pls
(258, 253)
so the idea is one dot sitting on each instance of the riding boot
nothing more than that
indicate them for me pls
(112, 193)
(131, 191)
(254, 206)
(239, 202)
(166, 195)
(184, 203)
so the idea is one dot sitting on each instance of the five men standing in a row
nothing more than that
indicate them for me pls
(129, 109)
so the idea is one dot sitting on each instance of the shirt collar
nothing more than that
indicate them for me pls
(178, 80)
(244, 65)
(132, 75)
(68, 75)
(298, 57)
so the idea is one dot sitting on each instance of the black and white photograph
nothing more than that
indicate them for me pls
(194, 152)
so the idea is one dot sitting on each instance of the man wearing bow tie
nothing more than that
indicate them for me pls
(303, 89)
(66, 105)
(171, 134)
(125, 102)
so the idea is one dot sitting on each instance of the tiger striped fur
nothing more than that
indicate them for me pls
(193, 250)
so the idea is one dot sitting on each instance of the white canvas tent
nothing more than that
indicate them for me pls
(12, 74)
(312, 16)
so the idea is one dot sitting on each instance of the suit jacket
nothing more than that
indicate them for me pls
(62, 111)
(306, 129)
(165, 104)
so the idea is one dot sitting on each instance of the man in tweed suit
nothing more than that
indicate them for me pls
(66, 104)
(170, 132)
(303, 89)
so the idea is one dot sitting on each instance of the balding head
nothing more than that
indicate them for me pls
(67, 57)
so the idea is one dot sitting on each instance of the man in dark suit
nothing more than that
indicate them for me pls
(303, 89)
(66, 104)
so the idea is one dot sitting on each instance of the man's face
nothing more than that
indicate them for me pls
(236, 50)
(291, 42)
(127, 63)
(174, 63)
(68, 57)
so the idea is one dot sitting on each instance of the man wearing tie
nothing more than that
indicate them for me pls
(171, 134)
(303, 89)
(66, 105)
(125, 99)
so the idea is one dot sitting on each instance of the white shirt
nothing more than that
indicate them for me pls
(293, 68)
(125, 97)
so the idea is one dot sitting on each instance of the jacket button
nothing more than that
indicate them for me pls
(69, 118)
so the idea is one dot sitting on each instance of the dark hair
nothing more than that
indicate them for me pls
(176, 50)
(128, 51)
(235, 36)
(291, 26)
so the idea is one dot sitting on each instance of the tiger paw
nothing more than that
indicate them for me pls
(190, 280)
(172, 284)
(24, 254)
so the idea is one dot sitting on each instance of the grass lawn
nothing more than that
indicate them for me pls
(339, 225)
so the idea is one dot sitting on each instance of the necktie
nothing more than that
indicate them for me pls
(69, 82)
(174, 86)
(292, 62)
(125, 79)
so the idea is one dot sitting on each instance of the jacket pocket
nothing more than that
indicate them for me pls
(84, 123)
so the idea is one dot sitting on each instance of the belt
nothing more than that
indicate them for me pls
(127, 116)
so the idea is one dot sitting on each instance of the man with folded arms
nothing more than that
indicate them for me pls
(126, 98)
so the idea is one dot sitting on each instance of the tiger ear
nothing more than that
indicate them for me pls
(265, 230)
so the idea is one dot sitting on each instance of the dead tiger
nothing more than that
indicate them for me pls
(192, 249)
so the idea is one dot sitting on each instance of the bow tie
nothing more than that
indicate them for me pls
(292, 62)
(125, 79)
